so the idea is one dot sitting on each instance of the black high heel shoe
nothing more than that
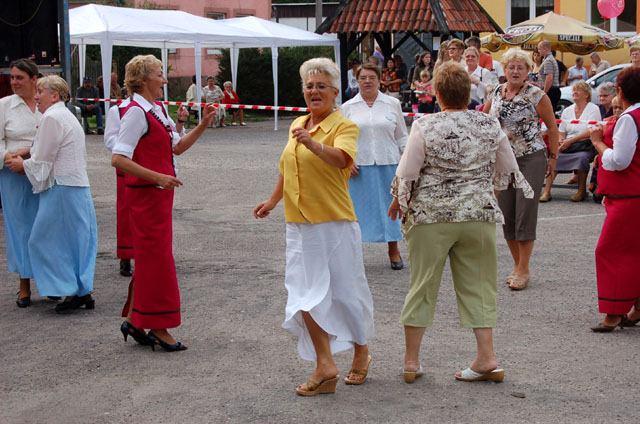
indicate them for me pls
(71, 303)
(176, 347)
(603, 328)
(626, 322)
(138, 335)
(125, 268)
(23, 302)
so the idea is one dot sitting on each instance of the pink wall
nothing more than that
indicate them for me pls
(182, 62)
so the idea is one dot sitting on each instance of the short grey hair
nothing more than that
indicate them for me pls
(55, 84)
(320, 65)
(607, 88)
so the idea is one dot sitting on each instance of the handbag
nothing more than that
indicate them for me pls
(581, 146)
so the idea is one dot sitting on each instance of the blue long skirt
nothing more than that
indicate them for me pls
(370, 192)
(64, 242)
(19, 208)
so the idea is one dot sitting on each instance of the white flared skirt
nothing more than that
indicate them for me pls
(325, 277)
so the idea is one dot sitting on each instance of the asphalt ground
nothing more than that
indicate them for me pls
(242, 367)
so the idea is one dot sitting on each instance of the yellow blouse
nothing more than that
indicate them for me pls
(315, 191)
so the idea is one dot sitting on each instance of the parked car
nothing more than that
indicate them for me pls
(608, 75)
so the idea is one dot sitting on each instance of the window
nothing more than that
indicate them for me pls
(216, 15)
(625, 23)
(523, 10)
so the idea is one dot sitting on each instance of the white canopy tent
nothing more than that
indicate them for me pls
(118, 26)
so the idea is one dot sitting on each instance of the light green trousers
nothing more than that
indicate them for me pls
(471, 248)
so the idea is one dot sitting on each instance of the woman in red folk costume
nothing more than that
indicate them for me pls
(618, 249)
(144, 151)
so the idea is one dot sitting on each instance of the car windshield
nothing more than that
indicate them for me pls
(608, 77)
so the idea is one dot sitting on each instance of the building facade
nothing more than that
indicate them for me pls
(511, 12)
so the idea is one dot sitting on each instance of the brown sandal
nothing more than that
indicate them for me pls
(357, 377)
(312, 388)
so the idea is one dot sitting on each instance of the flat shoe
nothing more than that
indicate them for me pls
(411, 376)
(357, 377)
(518, 283)
(545, 198)
(603, 328)
(509, 279)
(23, 302)
(469, 375)
(579, 196)
(312, 388)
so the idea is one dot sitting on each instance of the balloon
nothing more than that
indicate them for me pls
(610, 8)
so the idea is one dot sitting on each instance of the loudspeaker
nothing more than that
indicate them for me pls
(29, 29)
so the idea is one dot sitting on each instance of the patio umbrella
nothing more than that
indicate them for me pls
(564, 33)
(634, 41)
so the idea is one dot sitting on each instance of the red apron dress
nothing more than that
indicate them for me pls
(156, 296)
(618, 249)
(124, 249)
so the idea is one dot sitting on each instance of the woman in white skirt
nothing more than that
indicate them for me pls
(63, 241)
(329, 307)
(383, 135)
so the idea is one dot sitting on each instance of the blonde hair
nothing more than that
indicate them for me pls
(517, 54)
(425, 72)
(453, 85)
(471, 50)
(320, 65)
(54, 84)
(137, 70)
(457, 43)
(227, 83)
(584, 87)
(634, 48)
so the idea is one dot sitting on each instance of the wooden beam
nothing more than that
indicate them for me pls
(401, 42)
(355, 41)
(438, 15)
(344, 66)
(418, 40)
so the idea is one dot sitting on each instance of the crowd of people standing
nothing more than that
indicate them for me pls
(348, 174)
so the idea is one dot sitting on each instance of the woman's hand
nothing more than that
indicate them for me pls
(302, 136)
(354, 170)
(596, 132)
(183, 114)
(15, 163)
(394, 210)
(168, 182)
(208, 114)
(565, 144)
(264, 208)
(24, 153)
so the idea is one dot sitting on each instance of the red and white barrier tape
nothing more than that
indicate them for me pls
(289, 108)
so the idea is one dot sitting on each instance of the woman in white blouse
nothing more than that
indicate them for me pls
(480, 78)
(383, 135)
(18, 122)
(576, 150)
(63, 242)
(213, 94)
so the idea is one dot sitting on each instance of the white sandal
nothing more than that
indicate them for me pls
(469, 375)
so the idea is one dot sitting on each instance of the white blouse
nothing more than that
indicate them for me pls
(625, 140)
(133, 126)
(58, 154)
(591, 112)
(478, 91)
(18, 125)
(383, 133)
(112, 127)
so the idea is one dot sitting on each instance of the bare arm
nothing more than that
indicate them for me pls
(264, 208)
(548, 82)
(128, 166)
(331, 155)
(189, 139)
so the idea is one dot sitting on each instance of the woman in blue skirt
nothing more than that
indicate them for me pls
(63, 241)
(383, 135)
(18, 122)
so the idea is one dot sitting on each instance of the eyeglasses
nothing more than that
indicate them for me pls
(369, 78)
(319, 86)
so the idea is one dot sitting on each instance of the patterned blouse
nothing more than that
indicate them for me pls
(519, 118)
(451, 166)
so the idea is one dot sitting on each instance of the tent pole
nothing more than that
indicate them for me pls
(198, 58)
(106, 53)
(274, 67)
(234, 53)
(164, 54)
(82, 55)
(336, 54)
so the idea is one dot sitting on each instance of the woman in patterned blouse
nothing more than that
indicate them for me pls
(444, 190)
(519, 106)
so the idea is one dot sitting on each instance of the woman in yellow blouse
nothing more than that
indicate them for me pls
(329, 306)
